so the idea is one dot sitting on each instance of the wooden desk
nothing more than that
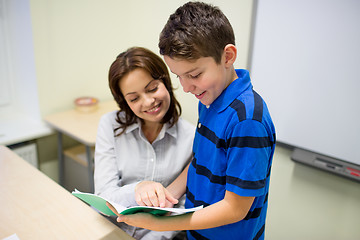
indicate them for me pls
(35, 207)
(81, 127)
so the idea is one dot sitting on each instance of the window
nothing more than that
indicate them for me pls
(19, 105)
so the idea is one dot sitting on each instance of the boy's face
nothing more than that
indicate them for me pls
(204, 77)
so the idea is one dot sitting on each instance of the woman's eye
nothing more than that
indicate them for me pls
(153, 89)
(133, 99)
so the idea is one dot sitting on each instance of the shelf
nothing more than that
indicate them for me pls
(78, 154)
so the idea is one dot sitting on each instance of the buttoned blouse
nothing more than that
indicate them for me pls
(123, 161)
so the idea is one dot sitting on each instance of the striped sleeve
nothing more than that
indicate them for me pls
(248, 152)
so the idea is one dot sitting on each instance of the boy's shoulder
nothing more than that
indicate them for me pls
(239, 104)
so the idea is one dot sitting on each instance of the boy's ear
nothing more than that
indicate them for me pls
(230, 53)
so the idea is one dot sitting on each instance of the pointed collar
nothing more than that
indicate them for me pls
(165, 129)
(237, 87)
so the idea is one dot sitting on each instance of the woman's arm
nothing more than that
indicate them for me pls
(107, 177)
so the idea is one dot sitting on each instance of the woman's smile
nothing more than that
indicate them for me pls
(154, 109)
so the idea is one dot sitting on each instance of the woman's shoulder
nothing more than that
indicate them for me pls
(111, 118)
(185, 126)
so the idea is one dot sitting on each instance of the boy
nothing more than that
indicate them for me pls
(234, 141)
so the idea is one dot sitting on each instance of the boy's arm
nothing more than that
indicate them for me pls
(178, 187)
(232, 208)
(149, 193)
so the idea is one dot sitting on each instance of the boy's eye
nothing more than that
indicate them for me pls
(195, 76)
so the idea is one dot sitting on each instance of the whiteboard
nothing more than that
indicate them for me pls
(305, 62)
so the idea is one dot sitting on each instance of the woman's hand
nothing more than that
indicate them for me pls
(150, 193)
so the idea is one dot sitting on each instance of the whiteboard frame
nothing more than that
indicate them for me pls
(334, 134)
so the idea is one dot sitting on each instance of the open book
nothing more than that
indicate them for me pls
(100, 204)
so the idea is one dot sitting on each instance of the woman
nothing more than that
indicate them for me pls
(145, 143)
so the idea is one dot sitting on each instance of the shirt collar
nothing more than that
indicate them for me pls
(166, 129)
(237, 87)
(172, 131)
(133, 126)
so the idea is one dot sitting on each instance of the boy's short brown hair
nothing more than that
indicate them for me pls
(196, 30)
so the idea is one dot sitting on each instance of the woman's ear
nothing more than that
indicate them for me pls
(230, 53)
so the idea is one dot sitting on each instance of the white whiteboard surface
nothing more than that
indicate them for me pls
(306, 65)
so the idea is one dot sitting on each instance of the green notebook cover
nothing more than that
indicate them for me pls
(95, 201)
(100, 204)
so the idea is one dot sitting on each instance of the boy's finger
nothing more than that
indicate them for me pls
(139, 200)
(153, 197)
(112, 208)
(145, 199)
(170, 197)
(121, 218)
(161, 196)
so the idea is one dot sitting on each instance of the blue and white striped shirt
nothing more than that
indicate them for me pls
(233, 149)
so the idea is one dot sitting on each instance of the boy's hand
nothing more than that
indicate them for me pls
(142, 220)
(150, 193)
(112, 208)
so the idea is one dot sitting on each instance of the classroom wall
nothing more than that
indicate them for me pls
(76, 41)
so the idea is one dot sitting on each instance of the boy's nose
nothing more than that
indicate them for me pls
(187, 86)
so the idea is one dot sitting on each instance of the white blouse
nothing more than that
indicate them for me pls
(122, 162)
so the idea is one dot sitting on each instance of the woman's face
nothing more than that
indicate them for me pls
(148, 98)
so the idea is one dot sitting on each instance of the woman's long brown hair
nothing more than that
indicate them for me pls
(133, 58)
